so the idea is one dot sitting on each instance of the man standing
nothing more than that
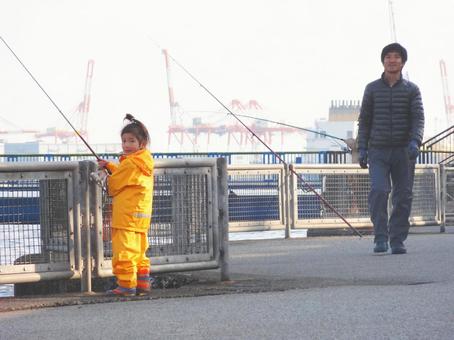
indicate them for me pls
(390, 131)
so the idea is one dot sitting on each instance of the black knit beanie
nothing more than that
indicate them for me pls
(394, 47)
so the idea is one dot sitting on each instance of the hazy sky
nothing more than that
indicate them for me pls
(292, 56)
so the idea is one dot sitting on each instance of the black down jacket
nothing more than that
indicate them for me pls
(390, 116)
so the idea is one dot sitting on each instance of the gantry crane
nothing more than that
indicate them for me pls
(449, 108)
(14, 129)
(80, 114)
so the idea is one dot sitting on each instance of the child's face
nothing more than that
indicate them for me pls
(129, 143)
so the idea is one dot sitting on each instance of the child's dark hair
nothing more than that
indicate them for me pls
(137, 128)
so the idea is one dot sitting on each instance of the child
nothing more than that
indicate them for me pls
(131, 186)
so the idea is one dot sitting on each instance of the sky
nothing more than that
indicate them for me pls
(292, 56)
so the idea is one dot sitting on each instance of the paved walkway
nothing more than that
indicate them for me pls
(313, 288)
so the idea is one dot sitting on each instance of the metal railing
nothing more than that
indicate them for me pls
(233, 158)
(427, 156)
(184, 233)
(439, 148)
(55, 222)
(447, 195)
(256, 196)
(271, 197)
(346, 188)
(39, 215)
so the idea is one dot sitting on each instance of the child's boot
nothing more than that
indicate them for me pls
(122, 291)
(143, 282)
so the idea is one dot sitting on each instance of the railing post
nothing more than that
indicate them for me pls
(293, 197)
(443, 193)
(287, 201)
(223, 218)
(85, 227)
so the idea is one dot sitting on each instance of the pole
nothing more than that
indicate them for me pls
(51, 100)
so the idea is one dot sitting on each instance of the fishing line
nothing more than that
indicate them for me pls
(335, 139)
(47, 95)
(297, 128)
(292, 126)
(264, 144)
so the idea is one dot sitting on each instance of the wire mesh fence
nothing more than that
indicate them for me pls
(256, 196)
(447, 193)
(33, 221)
(49, 220)
(185, 231)
(426, 196)
(346, 189)
(180, 217)
(42, 228)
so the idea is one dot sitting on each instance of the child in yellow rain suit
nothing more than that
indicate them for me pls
(131, 186)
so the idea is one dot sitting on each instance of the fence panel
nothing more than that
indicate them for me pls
(256, 197)
(37, 217)
(447, 185)
(54, 220)
(346, 188)
(426, 204)
(185, 233)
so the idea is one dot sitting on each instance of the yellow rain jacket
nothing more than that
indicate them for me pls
(131, 186)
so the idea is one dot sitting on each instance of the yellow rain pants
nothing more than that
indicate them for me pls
(129, 256)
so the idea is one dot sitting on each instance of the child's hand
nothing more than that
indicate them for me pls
(102, 163)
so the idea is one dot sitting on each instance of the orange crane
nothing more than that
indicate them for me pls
(235, 131)
(15, 129)
(80, 113)
(449, 108)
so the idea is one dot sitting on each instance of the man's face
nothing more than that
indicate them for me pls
(393, 62)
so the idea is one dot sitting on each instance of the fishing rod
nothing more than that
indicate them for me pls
(266, 145)
(53, 103)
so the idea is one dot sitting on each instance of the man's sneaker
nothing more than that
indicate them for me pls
(381, 247)
(122, 291)
(399, 249)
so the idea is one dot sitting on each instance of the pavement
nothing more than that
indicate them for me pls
(306, 288)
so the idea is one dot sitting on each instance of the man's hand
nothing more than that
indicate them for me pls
(363, 158)
(413, 150)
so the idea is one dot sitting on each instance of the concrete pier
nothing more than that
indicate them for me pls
(306, 288)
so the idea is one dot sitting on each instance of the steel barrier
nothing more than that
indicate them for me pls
(185, 233)
(233, 158)
(447, 194)
(258, 198)
(39, 218)
(55, 222)
(346, 188)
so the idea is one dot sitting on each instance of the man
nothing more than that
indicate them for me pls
(391, 127)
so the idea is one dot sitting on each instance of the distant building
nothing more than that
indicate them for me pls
(21, 148)
(341, 123)
(46, 148)
(344, 111)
